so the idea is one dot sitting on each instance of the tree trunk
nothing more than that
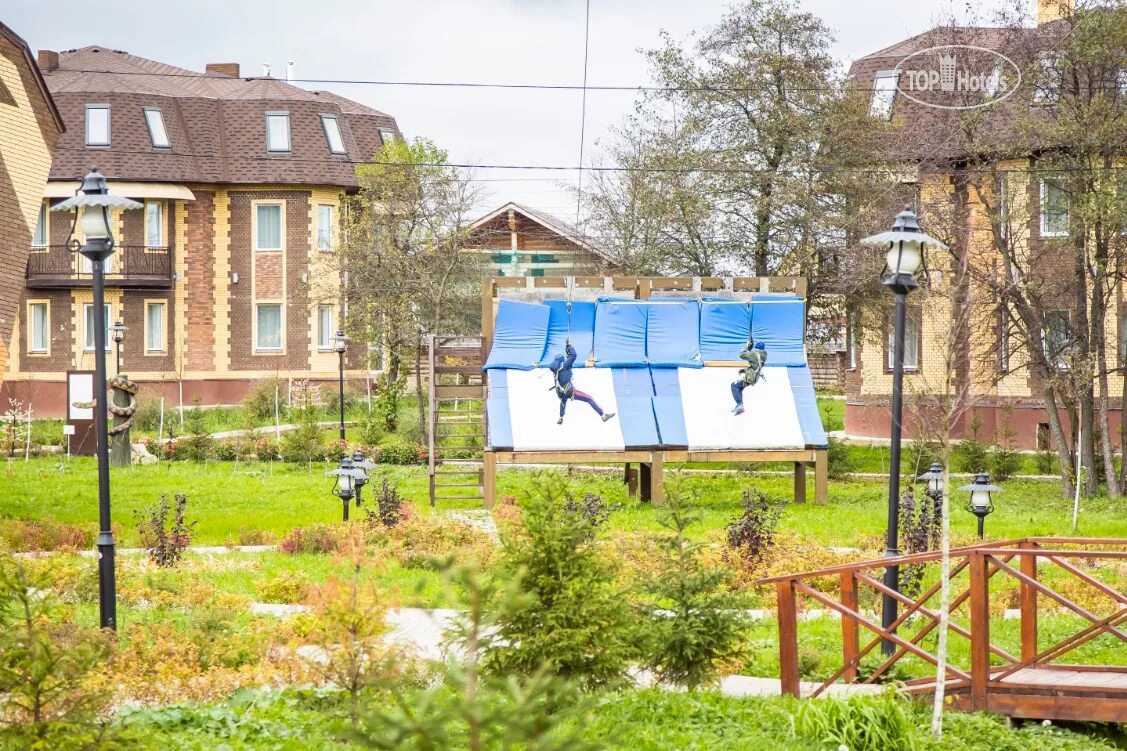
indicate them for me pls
(1056, 430)
(420, 395)
(1098, 331)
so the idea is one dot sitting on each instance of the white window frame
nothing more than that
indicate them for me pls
(41, 237)
(1056, 359)
(255, 205)
(281, 348)
(911, 344)
(1045, 231)
(163, 332)
(331, 125)
(109, 129)
(88, 328)
(878, 106)
(149, 113)
(45, 350)
(161, 241)
(1003, 324)
(325, 233)
(1003, 199)
(387, 135)
(278, 148)
(325, 334)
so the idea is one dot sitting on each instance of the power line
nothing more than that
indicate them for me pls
(583, 116)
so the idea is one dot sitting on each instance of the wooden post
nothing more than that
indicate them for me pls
(821, 475)
(979, 631)
(657, 479)
(121, 448)
(788, 638)
(432, 418)
(488, 292)
(850, 645)
(1028, 603)
(489, 478)
(800, 482)
(631, 481)
(646, 481)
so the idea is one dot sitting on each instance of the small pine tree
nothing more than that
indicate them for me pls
(305, 443)
(1005, 459)
(972, 452)
(694, 623)
(198, 443)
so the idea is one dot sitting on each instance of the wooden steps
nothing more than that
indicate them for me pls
(456, 424)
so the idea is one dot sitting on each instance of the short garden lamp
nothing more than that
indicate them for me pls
(340, 342)
(117, 333)
(344, 482)
(360, 462)
(93, 205)
(933, 482)
(981, 501)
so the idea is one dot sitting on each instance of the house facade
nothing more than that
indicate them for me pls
(960, 335)
(242, 181)
(514, 240)
(30, 126)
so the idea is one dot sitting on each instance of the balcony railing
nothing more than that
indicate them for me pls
(129, 266)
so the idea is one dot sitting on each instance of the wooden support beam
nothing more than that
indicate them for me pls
(657, 480)
(980, 631)
(489, 478)
(799, 482)
(1028, 603)
(646, 482)
(850, 642)
(788, 637)
(821, 475)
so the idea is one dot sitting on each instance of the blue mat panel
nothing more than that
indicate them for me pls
(500, 427)
(673, 335)
(498, 382)
(806, 404)
(639, 428)
(632, 382)
(779, 323)
(582, 330)
(620, 335)
(519, 336)
(666, 382)
(724, 328)
(670, 421)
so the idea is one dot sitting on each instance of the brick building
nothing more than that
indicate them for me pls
(30, 126)
(515, 240)
(217, 277)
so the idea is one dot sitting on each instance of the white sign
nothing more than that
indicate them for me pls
(80, 388)
(68, 430)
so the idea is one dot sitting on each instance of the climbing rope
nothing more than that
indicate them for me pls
(126, 386)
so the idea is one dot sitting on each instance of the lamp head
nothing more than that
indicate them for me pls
(94, 203)
(118, 331)
(904, 246)
(339, 341)
(981, 494)
(933, 479)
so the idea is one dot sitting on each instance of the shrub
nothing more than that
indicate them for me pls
(1046, 462)
(840, 460)
(228, 449)
(397, 450)
(388, 504)
(859, 723)
(919, 456)
(315, 538)
(13, 427)
(389, 393)
(266, 449)
(753, 533)
(353, 398)
(920, 528)
(197, 444)
(424, 542)
(304, 443)
(371, 428)
(592, 508)
(972, 454)
(287, 588)
(570, 619)
(694, 625)
(1005, 459)
(337, 450)
(20, 535)
(260, 400)
(147, 416)
(165, 541)
(251, 536)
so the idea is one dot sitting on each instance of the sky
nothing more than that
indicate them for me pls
(483, 41)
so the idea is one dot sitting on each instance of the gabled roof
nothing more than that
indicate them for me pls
(36, 74)
(547, 221)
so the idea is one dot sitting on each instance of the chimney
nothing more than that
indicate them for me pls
(224, 69)
(48, 60)
(266, 70)
(289, 71)
(1052, 10)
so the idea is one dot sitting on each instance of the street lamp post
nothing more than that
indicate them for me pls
(933, 482)
(360, 462)
(905, 244)
(339, 343)
(981, 502)
(344, 482)
(94, 204)
(117, 332)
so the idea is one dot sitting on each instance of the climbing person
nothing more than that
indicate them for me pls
(755, 353)
(565, 389)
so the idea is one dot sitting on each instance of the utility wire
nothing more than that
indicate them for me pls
(582, 117)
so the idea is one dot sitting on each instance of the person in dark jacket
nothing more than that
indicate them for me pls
(565, 389)
(756, 357)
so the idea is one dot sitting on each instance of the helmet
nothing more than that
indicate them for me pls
(760, 346)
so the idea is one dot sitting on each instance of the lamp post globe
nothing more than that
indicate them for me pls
(904, 245)
(344, 483)
(933, 484)
(981, 502)
(92, 204)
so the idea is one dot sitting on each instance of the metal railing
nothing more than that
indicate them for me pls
(57, 265)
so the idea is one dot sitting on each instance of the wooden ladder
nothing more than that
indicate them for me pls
(456, 424)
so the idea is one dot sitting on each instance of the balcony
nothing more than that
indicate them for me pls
(131, 266)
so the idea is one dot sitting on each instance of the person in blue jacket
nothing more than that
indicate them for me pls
(565, 389)
(755, 354)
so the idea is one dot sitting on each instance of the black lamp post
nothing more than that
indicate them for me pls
(981, 502)
(360, 462)
(94, 202)
(344, 482)
(339, 343)
(905, 244)
(117, 332)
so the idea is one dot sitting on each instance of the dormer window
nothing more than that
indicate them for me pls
(387, 135)
(884, 91)
(277, 131)
(332, 134)
(158, 135)
(97, 125)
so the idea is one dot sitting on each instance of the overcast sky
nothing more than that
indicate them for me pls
(493, 41)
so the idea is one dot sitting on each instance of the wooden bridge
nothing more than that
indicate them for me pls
(1036, 683)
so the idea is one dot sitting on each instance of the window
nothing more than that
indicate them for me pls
(88, 332)
(324, 227)
(1054, 208)
(39, 239)
(1122, 349)
(325, 327)
(277, 131)
(1046, 90)
(1003, 210)
(154, 326)
(268, 328)
(387, 135)
(268, 226)
(1057, 337)
(911, 343)
(851, 344)
(1003, 324)
(154, 224)
(332, 134)
(97, 125)
(884, 91)
(157, 133)
(38, 326)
